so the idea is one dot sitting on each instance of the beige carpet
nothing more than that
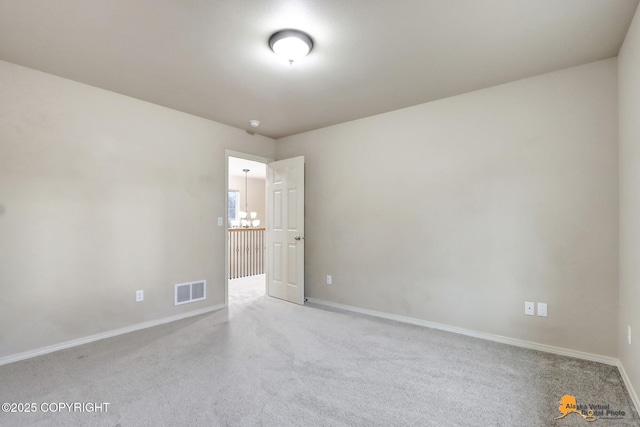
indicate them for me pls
(265, 362)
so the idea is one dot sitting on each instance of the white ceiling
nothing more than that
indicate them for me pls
(211, 58)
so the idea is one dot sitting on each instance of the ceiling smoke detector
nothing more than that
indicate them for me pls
(254, 123)
(290, 44)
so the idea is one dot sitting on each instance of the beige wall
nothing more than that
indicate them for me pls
(457, 211)
(629, 111)
(256, 198)
(102, 195)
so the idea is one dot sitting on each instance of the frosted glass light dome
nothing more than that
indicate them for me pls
(291, 44)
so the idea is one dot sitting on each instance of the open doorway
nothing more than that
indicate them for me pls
(246, 222)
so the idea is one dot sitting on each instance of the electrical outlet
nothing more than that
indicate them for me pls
(529, 308)
(328, 279)
(629, 333)
(139, 296)
(542, 309)
(220, 221)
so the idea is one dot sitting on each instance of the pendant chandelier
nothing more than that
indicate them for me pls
(247, 219)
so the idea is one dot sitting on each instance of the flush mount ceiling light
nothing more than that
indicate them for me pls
(290, 44)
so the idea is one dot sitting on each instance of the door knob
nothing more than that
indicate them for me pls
(299, 238)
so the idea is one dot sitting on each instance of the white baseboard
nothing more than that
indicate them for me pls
(630, 389)
(497, 338)
(85, 340)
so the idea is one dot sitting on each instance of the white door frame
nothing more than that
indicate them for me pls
(240, 155)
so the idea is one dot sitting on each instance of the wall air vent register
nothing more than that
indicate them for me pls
(190, 292)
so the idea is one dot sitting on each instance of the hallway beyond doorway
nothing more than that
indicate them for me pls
(246, 289)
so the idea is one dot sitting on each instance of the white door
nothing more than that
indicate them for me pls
(285, 229)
